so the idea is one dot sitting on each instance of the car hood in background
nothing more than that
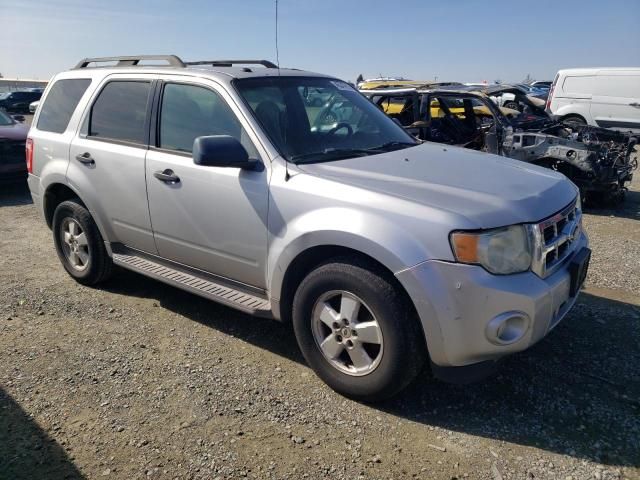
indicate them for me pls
(489, 190)
(16, 131)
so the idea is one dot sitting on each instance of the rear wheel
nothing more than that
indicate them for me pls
(356, 331)
(79, 244)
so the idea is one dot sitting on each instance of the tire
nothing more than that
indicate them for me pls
(398, 356)
(79, 245)
(511, 105)
(574, 121)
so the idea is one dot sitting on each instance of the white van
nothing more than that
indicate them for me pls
(604, 97)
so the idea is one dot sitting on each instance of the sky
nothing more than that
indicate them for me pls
(451, 40)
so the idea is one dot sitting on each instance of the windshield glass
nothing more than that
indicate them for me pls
(5, 119)
(320, 119)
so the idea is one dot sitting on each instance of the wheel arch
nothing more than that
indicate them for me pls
(54, 195)
(308, 259)
(57, 192)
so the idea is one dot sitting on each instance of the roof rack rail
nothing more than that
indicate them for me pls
(230, 63)
(172, 60)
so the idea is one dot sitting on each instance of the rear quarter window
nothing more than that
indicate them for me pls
(60, 104)
(579, 85)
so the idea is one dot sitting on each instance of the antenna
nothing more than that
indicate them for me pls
(277, 51)
(286, 163)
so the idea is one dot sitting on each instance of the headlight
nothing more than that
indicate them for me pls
(501, 251)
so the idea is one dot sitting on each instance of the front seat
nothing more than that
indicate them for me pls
(270, 117)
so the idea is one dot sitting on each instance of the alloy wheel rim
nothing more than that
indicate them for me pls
(347, 333)
(74, 244)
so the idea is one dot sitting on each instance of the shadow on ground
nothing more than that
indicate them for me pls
(577, 392)
(629, 208)
(26, 451)
(14, 193)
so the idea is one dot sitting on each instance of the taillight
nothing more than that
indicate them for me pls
(553, 86)
(29, 154)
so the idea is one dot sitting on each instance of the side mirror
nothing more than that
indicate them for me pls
(18, 118)
(222, 151)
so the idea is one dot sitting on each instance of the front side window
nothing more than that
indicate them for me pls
(312, 119)
(190, 111)
(119, 112)
(60, 104)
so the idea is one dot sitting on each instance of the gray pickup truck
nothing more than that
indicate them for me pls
(383, 252)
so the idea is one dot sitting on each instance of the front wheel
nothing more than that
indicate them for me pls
(357, 331)
(79, 244)
(574, 121)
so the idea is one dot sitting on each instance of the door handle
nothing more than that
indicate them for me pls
(85, 158)
(167, 176)
(635, 104)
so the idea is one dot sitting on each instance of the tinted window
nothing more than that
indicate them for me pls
(189, 112)
(120, 111)
(60, 104)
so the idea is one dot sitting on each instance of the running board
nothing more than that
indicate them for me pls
(194, 283)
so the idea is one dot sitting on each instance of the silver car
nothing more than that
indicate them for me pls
(384, 253)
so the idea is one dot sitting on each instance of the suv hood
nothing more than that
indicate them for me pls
(488, 190)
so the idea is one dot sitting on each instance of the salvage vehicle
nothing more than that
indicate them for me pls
(210, 176)
(402, 83)
(599, 161)
(13, 137)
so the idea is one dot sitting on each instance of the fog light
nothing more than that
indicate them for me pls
(507, 328)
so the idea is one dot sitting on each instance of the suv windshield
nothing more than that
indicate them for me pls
(320, 119)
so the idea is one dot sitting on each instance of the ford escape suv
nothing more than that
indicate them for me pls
(229, 179)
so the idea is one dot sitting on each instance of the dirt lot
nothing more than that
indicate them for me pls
(140, 380)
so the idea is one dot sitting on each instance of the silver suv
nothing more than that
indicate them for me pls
(246, 184)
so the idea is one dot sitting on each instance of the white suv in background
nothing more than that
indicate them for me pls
(603, 97)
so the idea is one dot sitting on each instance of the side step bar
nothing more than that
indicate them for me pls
(195, 283)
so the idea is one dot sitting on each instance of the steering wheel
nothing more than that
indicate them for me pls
(340, 126)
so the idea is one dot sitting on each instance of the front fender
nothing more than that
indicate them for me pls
(389, 243)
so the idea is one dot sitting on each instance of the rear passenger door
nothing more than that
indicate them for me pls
(107, 160)
(213, 218)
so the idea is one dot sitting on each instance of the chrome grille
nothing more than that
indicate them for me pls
(554, 239)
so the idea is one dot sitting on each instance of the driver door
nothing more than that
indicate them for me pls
(212, 218)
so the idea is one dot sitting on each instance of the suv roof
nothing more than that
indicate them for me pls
(173, 63)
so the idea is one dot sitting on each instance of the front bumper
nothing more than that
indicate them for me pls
(460, 307)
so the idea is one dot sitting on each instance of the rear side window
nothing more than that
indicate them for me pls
(60, 104)
(579, 85)
(119, 112)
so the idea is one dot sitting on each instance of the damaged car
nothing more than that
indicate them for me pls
(597, 160)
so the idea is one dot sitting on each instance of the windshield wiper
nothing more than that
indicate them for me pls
(329, 155)
(393, 146)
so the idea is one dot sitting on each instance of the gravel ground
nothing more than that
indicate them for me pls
(140, 380)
